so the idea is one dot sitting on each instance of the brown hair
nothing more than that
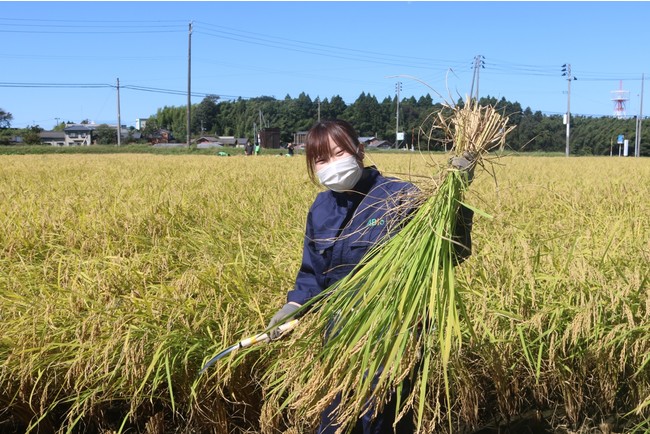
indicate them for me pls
(317, 145)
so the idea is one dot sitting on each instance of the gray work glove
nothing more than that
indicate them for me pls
(284, 312)
(464, 163)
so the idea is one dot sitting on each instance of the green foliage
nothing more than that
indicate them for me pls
(30, 135)
(5, 119)
(105, 135)
(204, 115)
(5, 136)
(535, 131)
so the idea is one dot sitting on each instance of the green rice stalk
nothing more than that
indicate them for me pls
(398, 314)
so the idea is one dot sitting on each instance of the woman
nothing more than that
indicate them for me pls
(359, 208)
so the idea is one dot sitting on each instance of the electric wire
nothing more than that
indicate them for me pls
(489, 66)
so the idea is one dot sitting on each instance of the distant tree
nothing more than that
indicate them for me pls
(365, 114)
(204, 115)
(173, 119)
(150, 127)
(5, 136)
(105, 135)
(31, 135)
(534, 131)
(5, 119)
(332, 109)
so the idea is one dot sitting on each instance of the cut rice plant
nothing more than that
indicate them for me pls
(399, 315)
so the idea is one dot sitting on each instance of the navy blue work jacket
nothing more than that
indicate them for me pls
(341, 227)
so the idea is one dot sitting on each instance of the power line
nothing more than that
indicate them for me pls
(56, 85)
(73, 32)
(122, 86)
(138, 22)
(322, 49)
(494, 66)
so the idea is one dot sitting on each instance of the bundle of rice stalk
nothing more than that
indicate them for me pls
(398, 311)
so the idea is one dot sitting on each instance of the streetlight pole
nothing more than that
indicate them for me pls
(566, 71)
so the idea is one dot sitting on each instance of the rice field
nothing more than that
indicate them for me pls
(120, 275)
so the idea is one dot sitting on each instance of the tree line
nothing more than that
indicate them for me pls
(240, 118)
(534, 131)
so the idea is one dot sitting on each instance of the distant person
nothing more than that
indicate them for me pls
(290, 149)
(248, 149)
(257, 149)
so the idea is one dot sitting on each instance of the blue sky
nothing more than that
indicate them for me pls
(76, 51)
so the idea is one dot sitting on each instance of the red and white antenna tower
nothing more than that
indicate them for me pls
(620, 97)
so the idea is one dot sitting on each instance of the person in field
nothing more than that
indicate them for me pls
(358, 209)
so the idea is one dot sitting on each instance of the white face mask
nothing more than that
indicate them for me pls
(340, 175)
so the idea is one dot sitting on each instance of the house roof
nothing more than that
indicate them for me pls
(52, 135)
(366, 139)
(78, 127)
(380, 144)
(208, 139)
(228, 140)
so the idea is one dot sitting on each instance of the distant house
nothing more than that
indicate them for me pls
(82, 134)
(206, 139)
(16, 140)
(78, 135)
(52, 138)
(242, 142)
(379, 144)
(228, 140)
(140, 124)
(366, 140)
(161, 136)
(207, 142)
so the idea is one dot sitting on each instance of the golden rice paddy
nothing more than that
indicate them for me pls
(121, 274)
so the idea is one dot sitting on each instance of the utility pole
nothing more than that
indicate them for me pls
(189, 86)
(119, 119)
(398, 88)
(637, 145)
(479, 62)
(566, 71)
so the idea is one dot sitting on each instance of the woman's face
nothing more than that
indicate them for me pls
(336, 153)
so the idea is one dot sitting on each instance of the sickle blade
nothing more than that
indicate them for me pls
(216, 358)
